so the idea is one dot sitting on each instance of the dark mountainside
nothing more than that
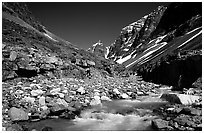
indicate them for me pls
(46, 77)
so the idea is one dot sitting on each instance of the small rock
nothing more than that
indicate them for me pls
(19, 92)
(71, 108)
(95, 101)
(139, 93)
(129, 93)
(61, 95)
(116, 91)
(159, 124)
(44, 107)
(26, 88)
(48, 99)
(17, 114)
(64, 91)
(55, 91)
(96, 94)
(77, 105)
(124, 96)
(36, 92)
(81, 90)
(13, 55)
(29, 100)
(67, 98)
(62, 102)
(42, 100)
(3, 128)
(105, 98)
(57, 107)
(86, 101)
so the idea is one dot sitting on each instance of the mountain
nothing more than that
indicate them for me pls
(29, 49)
(160, 40)
(99, 49)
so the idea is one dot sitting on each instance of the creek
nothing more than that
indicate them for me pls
(113, 115)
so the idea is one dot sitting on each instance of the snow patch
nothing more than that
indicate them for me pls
(121, 60)
(147, 54)
(193, 30)
(126, 49)
(190, 39)
(160, 38)
(107, 52)
(50, 37)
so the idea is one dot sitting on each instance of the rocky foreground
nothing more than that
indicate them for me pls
(36, 98)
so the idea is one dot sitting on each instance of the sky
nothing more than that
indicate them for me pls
(83, 24)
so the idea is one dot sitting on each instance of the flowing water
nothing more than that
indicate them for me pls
(113, 115)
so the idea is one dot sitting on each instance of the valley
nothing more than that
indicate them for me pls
(149, 78)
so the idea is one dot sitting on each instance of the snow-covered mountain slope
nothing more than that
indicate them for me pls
(164, 46)
(152, 37)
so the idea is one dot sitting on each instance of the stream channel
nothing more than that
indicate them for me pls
(112, 115)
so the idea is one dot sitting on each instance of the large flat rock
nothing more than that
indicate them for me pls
(180, 98)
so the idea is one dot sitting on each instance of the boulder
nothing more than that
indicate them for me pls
(17, 114)
(191, 111)
(159, 124)
(180, 98)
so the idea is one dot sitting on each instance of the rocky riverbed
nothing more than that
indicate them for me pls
(37, 98)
